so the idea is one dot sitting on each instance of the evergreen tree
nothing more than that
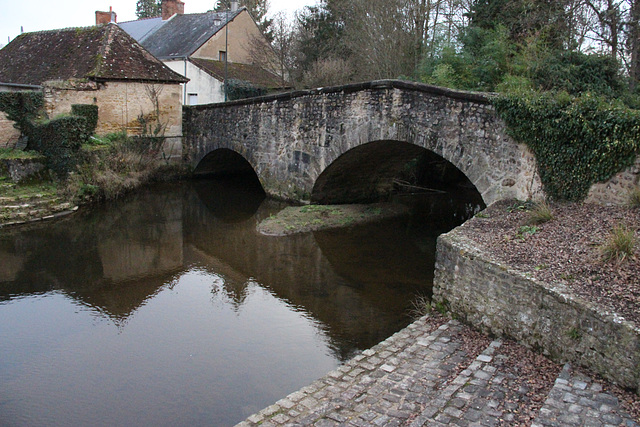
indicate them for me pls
(545, 19)
(148, 8)
(258, 10)
(319, 34)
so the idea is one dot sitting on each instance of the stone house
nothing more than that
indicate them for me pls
(206, 48)
(99, 65)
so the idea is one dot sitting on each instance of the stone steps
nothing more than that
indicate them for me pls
(472, 397)
(385, 385)
(19, 211)
(422, 376)
(577, 400)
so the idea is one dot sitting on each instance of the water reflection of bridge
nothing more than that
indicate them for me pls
(116, 259)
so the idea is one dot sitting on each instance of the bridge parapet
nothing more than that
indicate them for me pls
(297, 142)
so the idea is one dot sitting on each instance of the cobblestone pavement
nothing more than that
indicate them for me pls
(422, 377)
(576, 400)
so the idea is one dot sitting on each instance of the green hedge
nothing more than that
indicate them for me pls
(59, 140)
(577, 141)
(240, 89)
(89, 112)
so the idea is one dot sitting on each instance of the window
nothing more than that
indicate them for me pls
(193, 99)
(222, 55)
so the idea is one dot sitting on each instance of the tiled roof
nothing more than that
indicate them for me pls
(246, 72)
(182, 35)
(104, 52)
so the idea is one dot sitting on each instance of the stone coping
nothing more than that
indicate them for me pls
(479, 97)
(496, 298)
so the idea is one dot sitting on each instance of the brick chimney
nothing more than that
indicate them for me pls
(171, 7)
(105, 17)
(234, 5)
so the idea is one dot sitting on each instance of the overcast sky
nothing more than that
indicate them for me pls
(37, 15)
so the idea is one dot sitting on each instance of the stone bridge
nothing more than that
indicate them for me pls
(338, 144)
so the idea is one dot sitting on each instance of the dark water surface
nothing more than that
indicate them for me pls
(167, 308)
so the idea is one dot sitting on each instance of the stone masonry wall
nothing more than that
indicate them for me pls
(9, 135)
(119, 104)
(290, 139)
(498, 300)
(616, 190)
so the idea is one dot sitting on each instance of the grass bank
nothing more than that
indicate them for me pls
(301, 219)
(105, 169)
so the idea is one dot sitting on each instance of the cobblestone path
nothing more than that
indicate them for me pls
(422, 376)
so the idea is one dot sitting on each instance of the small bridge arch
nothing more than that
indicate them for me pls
(293, 140)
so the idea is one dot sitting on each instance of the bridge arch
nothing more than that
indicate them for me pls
(223, 161)
(369, 171)
(291, 139)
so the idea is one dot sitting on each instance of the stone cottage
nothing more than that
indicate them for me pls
(99, 65)
(207, 48)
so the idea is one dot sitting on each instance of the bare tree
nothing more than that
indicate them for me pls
(151, 123)
(275, 57)
(378, 35)
(633, 43)
(328, 72)
(608, 23)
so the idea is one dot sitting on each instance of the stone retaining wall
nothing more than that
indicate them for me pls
(20, 170)
(504, 302)
(616, 190)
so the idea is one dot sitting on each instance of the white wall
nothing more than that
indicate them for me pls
(209, 89)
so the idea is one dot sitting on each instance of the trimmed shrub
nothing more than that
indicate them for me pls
(89, 112)
(59, 140)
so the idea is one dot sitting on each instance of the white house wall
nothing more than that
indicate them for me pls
(208, 89)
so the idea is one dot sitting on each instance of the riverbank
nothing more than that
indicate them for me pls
(22, 204)
(539, 274)
(105, 170)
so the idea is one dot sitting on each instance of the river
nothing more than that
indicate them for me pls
(167, 308)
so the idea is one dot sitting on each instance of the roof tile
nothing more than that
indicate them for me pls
(104, 52)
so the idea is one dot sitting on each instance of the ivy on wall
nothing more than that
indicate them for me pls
(60, 139)
(23, 108)
(577, 141)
